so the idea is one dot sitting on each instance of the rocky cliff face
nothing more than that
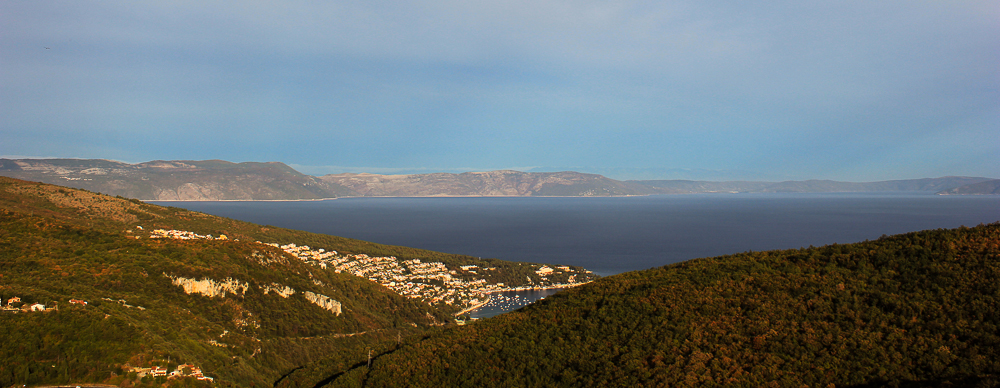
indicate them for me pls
(324, 302)
(209, 287)
(492, 183)
(221, 288)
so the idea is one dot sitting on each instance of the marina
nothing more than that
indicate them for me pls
(502, 302)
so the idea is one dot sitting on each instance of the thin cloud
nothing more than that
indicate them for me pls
(786, 87)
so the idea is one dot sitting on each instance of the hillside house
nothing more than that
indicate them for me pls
(141, 372)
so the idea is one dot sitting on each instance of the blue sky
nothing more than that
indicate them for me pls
(846, 90)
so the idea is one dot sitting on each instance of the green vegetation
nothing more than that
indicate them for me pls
(920, 309)
(59, 244)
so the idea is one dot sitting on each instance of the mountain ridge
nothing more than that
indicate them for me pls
(990, 187)
(214, 180)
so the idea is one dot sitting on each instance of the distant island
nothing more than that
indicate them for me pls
(215, 180)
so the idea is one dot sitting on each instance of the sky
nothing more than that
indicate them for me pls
(843, 90)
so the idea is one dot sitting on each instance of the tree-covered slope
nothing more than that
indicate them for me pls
(244, 312)
(920, 309)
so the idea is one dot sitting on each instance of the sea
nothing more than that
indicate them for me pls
(611, 235)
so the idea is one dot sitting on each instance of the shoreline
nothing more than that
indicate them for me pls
(552, 287)
(397, 196)
(241, 200)
(517, 289)
(475, 306)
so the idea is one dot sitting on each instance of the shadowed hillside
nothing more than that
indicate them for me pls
(919, 309)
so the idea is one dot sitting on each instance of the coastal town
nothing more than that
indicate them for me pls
(463, 287)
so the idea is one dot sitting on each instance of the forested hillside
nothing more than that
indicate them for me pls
(88, 296)
(920, 309)
(115, 301)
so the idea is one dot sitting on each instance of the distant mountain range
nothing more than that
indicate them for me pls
(221, 180)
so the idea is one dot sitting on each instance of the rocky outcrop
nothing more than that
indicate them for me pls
(282, 290)
(209, 287)
(323, 301)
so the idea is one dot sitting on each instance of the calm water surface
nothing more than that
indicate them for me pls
(618, 234)
(501, 302)
(614, 235)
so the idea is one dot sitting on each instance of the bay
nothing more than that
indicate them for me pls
(610, 235)
(501, 302)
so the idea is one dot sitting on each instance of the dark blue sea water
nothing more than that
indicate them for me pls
(617, 234)
(502, 302)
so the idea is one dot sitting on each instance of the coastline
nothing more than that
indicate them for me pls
(397, 196)
(552, 287)
(242, 200)
(475, 306)
(516, 289)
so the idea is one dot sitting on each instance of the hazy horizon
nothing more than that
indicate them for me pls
(622, 174)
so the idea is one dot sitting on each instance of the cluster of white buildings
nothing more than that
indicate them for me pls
(433, 282)
(430, 281)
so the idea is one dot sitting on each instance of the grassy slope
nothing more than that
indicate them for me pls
(920, 309)
(58, 244)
